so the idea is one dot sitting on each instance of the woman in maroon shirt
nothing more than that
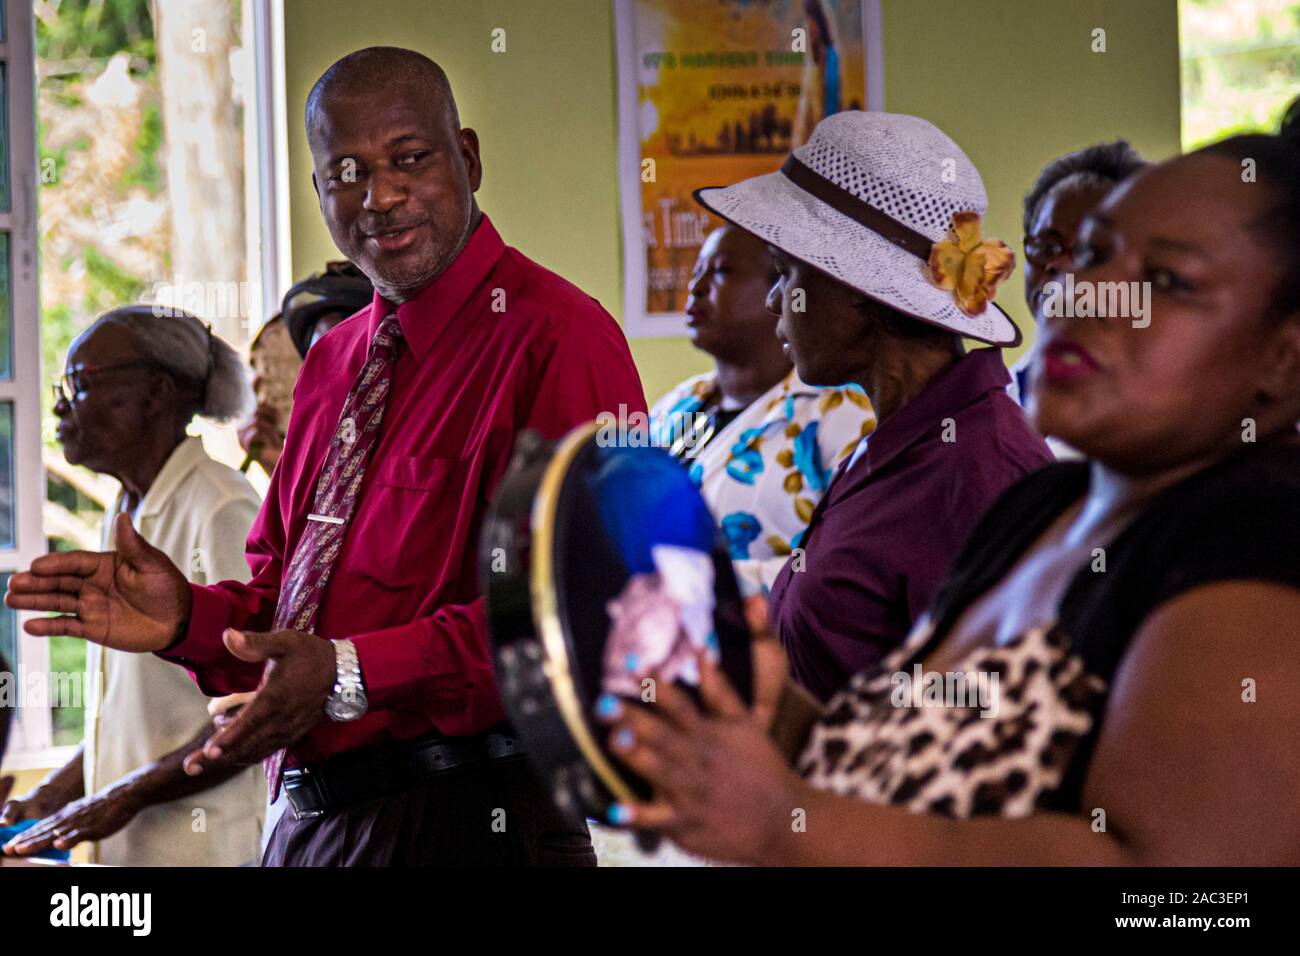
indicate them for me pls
(857, 221)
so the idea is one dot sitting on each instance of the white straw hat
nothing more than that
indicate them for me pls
(863, 201)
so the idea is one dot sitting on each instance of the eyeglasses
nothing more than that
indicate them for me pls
(76, 381)
(1044, 250)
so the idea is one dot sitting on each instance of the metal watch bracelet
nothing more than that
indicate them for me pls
(348, 699)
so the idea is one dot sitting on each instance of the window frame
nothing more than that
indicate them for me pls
(31, 733)
(266, 170)
(31, 743)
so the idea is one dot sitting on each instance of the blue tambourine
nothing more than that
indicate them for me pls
(604, 572)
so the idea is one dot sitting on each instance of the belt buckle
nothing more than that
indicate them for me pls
(500, 746)
(295, 775)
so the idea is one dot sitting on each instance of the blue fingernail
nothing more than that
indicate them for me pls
(632, 661)
(619, 814)
(624, 739)
(608, 706)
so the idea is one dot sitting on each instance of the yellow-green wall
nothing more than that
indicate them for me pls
(1014, 82)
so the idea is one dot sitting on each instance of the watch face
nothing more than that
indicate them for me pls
(347, 706)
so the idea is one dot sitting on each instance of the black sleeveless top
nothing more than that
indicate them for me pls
(1030, 750)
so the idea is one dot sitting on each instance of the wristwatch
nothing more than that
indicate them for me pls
(348, 700)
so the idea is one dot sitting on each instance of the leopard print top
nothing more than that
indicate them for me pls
(960, 761)
(1236, 520)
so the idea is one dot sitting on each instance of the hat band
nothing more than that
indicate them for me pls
(844, 202)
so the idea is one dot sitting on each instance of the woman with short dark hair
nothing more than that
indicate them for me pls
(1068, 188)
(760, 444)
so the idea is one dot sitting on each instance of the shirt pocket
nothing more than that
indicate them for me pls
(413, 518)
(418, 473)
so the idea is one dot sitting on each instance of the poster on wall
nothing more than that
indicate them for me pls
(712, 92)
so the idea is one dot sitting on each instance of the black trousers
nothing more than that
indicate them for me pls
(495, 813)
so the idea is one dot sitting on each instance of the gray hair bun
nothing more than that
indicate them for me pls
(185, 348)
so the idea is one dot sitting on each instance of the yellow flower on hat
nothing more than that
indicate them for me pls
(969, 265)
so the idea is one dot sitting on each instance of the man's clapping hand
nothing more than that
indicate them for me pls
(299, 675)
(131, 599)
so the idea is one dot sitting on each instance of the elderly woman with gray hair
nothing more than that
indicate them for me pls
(134, 381)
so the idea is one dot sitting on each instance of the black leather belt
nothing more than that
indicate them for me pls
(381, 771)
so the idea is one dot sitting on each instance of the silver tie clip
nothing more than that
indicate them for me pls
(327, 519)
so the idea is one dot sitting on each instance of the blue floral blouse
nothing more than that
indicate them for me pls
(763, 474)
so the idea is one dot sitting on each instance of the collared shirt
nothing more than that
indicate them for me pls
(763, 474)
(495, 344)
(197, 512)
(889, 527)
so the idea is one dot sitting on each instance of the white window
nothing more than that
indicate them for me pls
(22, 483)
(47, 727)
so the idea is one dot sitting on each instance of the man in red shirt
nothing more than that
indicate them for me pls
(363, 621)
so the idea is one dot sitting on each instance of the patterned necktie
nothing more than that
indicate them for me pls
(302, 584)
